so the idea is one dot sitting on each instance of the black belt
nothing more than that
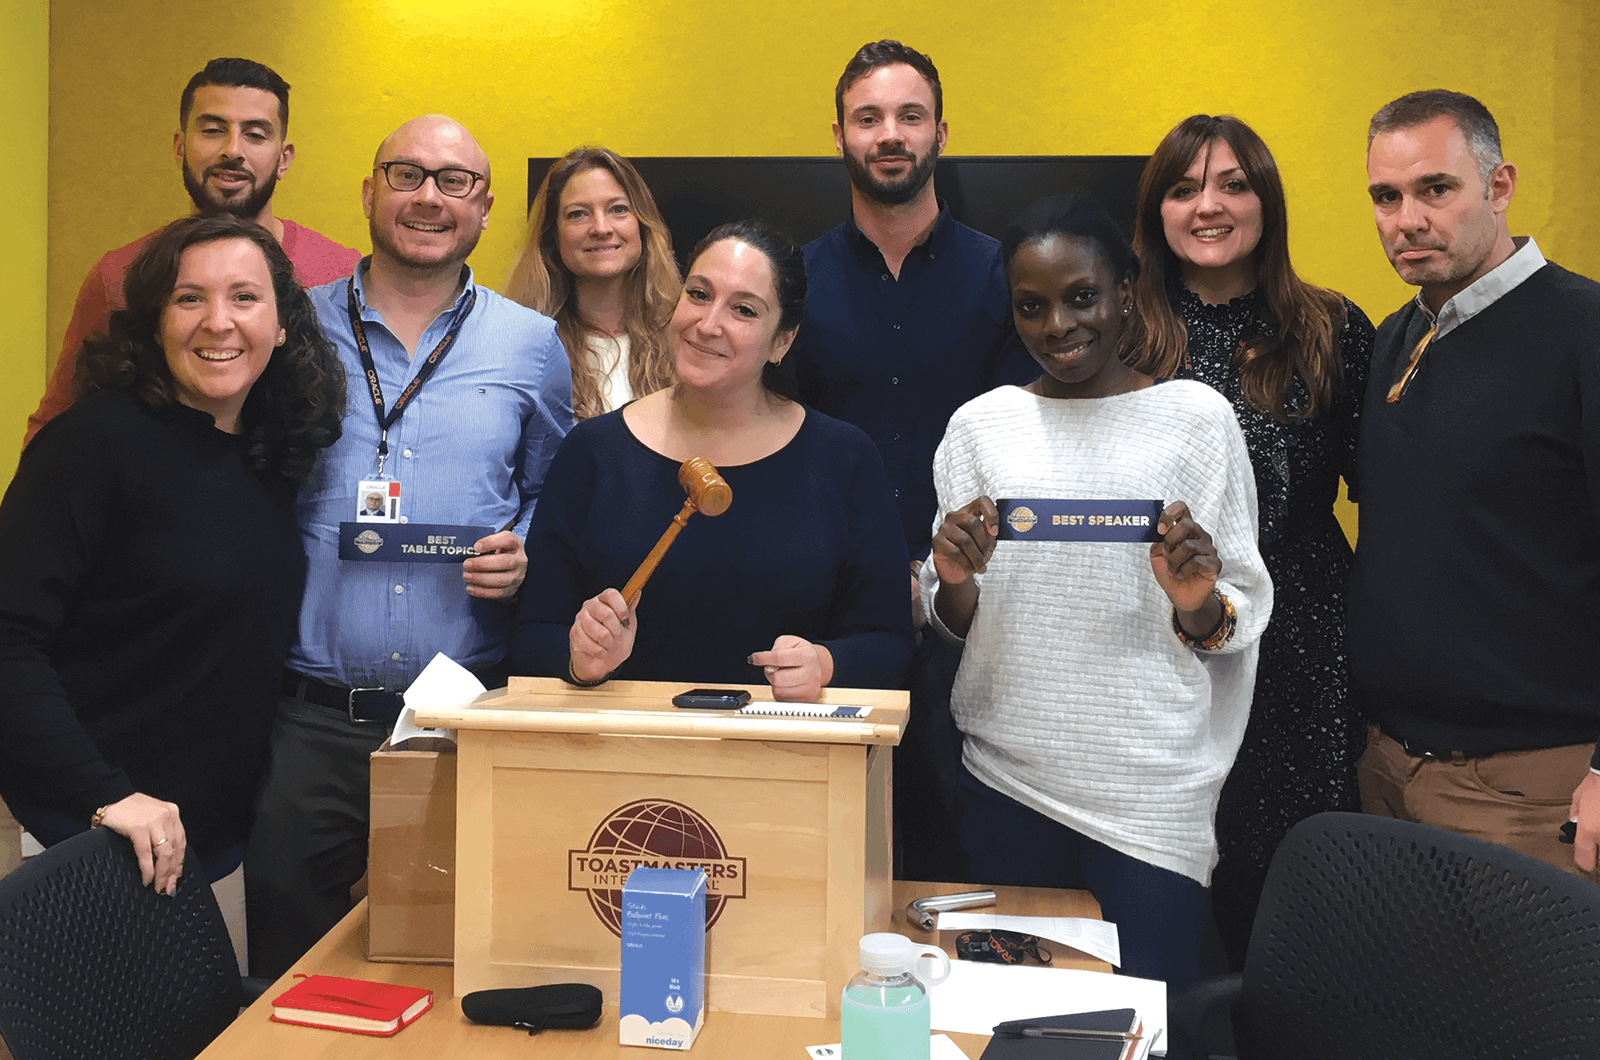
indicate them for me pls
(362, 705)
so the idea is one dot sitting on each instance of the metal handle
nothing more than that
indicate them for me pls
(921, 912)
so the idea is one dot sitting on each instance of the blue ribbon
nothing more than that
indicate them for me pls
(1030, 519)
(409, 542)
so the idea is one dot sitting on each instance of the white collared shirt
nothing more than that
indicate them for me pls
(1487, 289)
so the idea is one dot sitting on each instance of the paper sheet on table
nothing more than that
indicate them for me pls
(943, 1049)
(443, 684)
(977, 996)
(1097, 938)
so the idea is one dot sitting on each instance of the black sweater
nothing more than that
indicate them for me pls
(1477, 573)
(149, 586)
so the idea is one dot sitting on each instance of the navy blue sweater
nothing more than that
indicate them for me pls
(810, 546)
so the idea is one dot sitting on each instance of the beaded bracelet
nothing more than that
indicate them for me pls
(572, 679)
(99, 817)
(1217, 637)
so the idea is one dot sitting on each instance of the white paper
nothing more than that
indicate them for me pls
(977, 996)
(443, 684)
(1097, 938)
(943, 1049)
(804, 710)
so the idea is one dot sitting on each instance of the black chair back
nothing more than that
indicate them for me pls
(1381, 938)
(95, 965)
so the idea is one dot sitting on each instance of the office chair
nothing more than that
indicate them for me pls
(95, 965)
(1380, 938)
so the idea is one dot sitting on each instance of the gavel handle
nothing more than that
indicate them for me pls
(630, 592)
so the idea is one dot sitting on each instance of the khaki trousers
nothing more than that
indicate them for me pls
(1519, 799)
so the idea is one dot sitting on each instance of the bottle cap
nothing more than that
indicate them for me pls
(885, 953)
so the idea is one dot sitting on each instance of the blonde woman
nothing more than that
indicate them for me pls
(598, 259)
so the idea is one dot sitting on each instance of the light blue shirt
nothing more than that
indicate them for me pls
(471, 448)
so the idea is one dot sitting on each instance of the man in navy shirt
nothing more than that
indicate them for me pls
(907, 319)
(906, 314)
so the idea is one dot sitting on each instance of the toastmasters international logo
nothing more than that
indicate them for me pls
(656, 834)
(1021, 519)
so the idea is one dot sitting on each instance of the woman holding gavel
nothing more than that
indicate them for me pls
(800, 582)
(1106, 675)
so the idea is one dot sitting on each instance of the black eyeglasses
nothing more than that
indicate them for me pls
(408, 176)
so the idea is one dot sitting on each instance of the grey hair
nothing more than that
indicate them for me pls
(1477, 125)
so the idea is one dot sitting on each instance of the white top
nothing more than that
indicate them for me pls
(1076, 697)
(609, 356)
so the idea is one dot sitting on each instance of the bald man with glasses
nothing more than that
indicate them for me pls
(467, 396)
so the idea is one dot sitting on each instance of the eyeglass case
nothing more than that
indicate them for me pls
(565, 1006)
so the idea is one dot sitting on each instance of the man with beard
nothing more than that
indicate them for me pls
(1474, 588)
(906, 313)
(231, 146)
(467, 396)
(907, 319)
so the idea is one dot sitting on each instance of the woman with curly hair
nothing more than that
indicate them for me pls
(1219, 302)
(599, 260)
(150, 568)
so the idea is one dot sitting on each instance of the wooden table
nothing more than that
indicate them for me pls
(444, 1031)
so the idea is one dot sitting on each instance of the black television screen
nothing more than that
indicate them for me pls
(807, 196)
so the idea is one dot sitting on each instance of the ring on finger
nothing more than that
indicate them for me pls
(159, 842)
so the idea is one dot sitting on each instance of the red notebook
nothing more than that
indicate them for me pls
(357, 1005)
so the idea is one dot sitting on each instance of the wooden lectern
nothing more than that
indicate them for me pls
(563, 790)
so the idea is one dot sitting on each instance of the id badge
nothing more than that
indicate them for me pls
(377, 501)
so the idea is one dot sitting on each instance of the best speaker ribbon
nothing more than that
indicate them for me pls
(1039, 519)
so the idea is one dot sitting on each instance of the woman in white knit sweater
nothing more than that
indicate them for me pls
(1104, 685)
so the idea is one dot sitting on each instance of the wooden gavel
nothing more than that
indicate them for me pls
(708, 492)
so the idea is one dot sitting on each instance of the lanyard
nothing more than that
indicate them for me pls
(385, 421)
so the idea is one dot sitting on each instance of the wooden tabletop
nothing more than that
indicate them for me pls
(444, 1031)
(644, 708)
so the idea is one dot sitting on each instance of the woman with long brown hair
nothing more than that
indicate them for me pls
(598, 259)
(1218, 301)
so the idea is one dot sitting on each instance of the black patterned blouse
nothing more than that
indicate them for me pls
(1303, 739)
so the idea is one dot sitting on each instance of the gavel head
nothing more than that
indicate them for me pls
(705, 486)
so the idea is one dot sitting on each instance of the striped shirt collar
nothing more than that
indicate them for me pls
(1487, 289)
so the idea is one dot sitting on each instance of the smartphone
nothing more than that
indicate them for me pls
(712, 698)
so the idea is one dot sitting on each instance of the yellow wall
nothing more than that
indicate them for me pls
(535, 77)
(24, 128)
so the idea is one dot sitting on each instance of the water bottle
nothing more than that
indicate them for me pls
(884, 1014)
